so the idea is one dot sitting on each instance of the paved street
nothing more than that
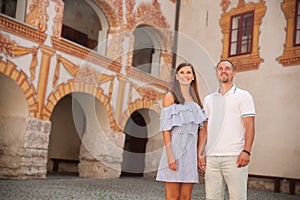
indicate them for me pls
(70, 187)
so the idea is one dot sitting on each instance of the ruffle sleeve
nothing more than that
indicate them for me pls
(179, 114)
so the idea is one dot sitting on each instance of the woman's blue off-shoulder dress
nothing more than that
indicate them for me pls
(184, 121)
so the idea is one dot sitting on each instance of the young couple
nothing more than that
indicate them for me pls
(214, 138)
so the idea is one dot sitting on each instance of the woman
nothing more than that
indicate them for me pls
(180, 121)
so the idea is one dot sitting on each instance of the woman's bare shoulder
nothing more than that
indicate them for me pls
(168, 99)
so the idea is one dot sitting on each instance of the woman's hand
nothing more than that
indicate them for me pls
(201, 164)
(172, 163)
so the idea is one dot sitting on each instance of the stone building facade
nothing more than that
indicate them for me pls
(82, 81)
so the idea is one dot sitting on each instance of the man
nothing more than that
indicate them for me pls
(228, 136)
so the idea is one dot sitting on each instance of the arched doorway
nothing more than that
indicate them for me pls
(14, 115)
(135, 146)
(13, 101)
(68, 125)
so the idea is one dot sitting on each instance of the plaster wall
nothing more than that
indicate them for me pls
(274, 87)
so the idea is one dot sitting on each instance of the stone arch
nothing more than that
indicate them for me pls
(72, 86)
(163, 35)
(110, 12)
(150, 112)
(10, 70)
(139, 104)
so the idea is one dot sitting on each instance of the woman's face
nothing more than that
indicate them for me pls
(185, 75)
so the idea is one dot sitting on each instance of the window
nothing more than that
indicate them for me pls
(13, 8)
(291, 52)
(241, 34)
(81, 24)
(240, 28)
(8, 7)
(146, 52)
(297, 24)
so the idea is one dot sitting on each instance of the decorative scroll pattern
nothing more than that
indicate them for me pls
(224, 4)
(33, 13)
(110, 12)
(130, 15)
(37, 15)
(150, 13)
(57, 26)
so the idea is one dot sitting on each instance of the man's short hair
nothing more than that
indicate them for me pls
(226, 60)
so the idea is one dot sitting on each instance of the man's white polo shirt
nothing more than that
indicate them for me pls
(226, 131)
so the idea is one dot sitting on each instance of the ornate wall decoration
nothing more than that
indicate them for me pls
(147, 93)
(224, 4)
(37, 15)
(248, 61)
(111, 12)
(291, 54)
(85, 54)
(10, 48)
(118, 5)
(114, 46)
(69, 66)
(58, 20)
(16, 28)
(151, 14)
(166, 67)
(130, 15)
(86, 80)
(31, 17)
(6, 45)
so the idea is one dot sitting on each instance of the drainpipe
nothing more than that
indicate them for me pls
(175, 42)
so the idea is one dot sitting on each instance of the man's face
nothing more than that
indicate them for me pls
(225, 73)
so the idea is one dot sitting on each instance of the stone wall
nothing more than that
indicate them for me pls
(101, 154)
(23, 147)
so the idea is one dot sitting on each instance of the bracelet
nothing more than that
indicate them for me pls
(247, 152)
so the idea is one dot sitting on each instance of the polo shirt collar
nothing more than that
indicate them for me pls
(231, 91)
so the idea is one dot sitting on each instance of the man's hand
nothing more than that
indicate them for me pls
(243, 159)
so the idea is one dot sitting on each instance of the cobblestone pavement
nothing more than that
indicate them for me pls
(68, 187)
